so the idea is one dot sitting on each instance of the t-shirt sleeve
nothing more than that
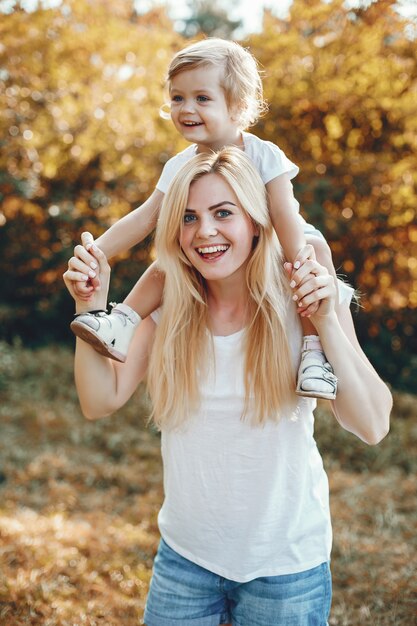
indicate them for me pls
(173, 166)
(346, 292)
(156, 315)
(167, 174)
(274, 162)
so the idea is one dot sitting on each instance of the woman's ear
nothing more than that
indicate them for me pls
(256, 233)
(256, 230)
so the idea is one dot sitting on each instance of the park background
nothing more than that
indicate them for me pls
(82, 143)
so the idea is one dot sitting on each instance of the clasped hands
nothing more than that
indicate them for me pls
(88, 275)
(314, 289)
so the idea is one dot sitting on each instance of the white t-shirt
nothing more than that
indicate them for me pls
(269, 160)
(245, 501)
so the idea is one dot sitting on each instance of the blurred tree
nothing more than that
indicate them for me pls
(81, 141)
(341, 86)
(210, 17)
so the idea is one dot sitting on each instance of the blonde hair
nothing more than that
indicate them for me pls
(181, 343)
(241, 80)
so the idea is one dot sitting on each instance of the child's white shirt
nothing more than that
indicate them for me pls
(269, 160)
(245, 501)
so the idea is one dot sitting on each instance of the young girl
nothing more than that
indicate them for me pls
(245, 524)
(215, 93)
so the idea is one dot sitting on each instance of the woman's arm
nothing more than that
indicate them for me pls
(363, 402)
(104, 386)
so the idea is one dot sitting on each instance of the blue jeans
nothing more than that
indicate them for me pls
(183, 593)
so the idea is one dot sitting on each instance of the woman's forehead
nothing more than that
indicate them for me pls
(209, 189)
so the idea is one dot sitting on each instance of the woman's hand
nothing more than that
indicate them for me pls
(306, 253)
(314, 289)
(88, 297)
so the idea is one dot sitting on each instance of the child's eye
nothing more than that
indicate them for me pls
(176, 98)
(188, 218)
(202, 99)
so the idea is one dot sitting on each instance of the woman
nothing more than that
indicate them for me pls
(245, 524)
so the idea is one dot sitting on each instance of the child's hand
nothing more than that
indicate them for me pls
(305, 254)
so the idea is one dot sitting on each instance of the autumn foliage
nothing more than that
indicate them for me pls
(83, 143)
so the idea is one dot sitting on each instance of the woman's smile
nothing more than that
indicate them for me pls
(212, 251)
(216, 235)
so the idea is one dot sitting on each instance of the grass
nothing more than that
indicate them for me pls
(79, 502)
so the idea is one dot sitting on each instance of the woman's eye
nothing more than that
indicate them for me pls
(188, 218)
(224, 213)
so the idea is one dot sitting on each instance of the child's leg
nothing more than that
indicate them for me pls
(111, 334)
(146, 295)
(315, 375)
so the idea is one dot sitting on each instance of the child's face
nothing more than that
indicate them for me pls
(199, 109)
(217, 234)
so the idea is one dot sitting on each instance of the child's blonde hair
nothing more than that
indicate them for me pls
(182, 343)
(241, 80)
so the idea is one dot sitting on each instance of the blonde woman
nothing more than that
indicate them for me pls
(245, 524)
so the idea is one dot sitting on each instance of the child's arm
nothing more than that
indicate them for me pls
(288, 228)
(284, 218)
(132, 228)
(146, 295)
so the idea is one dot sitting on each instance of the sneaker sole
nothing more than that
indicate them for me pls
(91, 337)
(315, 394)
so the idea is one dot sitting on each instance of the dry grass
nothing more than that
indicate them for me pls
(79, 502)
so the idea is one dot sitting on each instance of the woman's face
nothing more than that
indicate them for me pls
(217, 235)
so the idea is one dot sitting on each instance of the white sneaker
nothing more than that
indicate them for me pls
(315, 375)
(109, 334)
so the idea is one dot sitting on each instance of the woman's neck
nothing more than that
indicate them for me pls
(228, 308)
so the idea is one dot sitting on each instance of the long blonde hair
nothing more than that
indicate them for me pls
(182, 341)
(241, 80)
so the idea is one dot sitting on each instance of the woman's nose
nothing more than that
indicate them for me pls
(206, 227)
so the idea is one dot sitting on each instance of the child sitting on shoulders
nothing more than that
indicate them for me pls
(215, 94)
